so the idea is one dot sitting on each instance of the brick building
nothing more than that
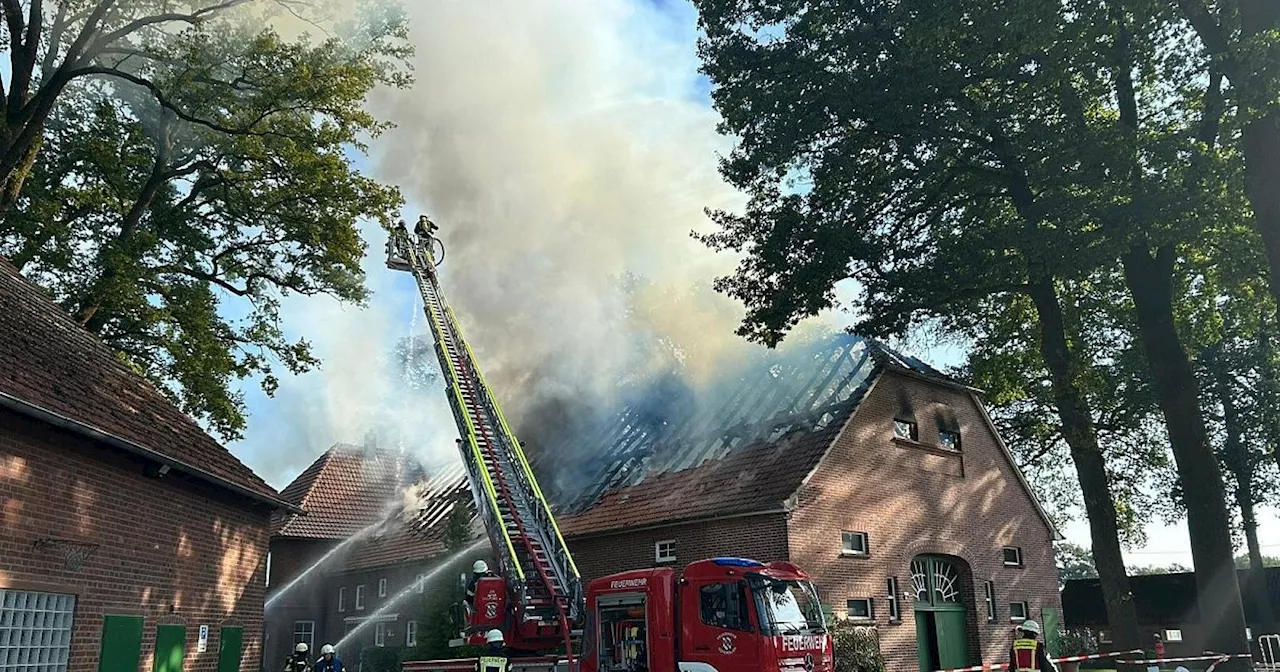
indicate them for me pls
(882, 477)
(370, 545)
(131, 538)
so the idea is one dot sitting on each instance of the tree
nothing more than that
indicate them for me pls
(1074, 562)
(1245, 561)
(457, 527)
(1151, 570)
(172, 227)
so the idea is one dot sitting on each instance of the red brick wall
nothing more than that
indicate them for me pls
(913, 498)
(171, 549)
(762, 537)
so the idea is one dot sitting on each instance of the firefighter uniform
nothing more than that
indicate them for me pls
(494, 664)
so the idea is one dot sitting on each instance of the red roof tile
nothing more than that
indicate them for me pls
(752, 478)
(346, 490)
(416, 534)
(49, 361)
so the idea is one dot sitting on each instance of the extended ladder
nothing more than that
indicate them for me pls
(532, 556)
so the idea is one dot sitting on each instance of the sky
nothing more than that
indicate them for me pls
(554, 146)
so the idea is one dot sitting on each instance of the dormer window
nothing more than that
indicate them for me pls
(905, 430)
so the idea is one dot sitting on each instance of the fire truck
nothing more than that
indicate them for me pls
(717, 615)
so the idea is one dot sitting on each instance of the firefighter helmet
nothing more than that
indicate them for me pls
(493, 637)
(301, 647)
(327, 648)
(1030, 626)
(480, 567)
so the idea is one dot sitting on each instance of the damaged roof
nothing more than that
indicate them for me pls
(54, 370)
(347, 489)
(749, 450)
(417, 533)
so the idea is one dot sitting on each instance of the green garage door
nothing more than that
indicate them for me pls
(171, 646)
(121, 644)
(230, 645)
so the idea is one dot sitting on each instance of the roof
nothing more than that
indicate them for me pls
(416, 533)
(347, 489)
(53, 369)
(764, 429)
(1161, 598)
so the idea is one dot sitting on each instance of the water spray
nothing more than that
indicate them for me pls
(410, 590)
(288, 587)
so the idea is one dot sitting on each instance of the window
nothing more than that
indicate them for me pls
(304, 632)
(360, 597)
(1104, 636)
(895, 612)
(411, 633)
(380, 634)
(267, 579)
(1017, 611)
(665, 551)
(35, 630)
(382, 587)
(905, 429)
(862, 609)
(949, 440)
(854, 543)
(342, 599)
(1173, 635)
(724, 605)
(420, 583)
(1012, 556)
(989, 591)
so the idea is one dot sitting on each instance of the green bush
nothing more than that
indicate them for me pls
(380, 659)
(857, 647)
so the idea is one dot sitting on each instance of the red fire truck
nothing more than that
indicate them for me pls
(718, 615)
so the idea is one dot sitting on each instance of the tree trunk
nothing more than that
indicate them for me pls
(1240, 463)
(1150, 282)
(1082, 438)
(1261, 138)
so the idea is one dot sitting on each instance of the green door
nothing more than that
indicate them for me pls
(1052, 637)
(121, 643)
(942, 625)
(230, 644)
(171, 646)
(953, 639)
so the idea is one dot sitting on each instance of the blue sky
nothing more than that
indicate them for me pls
(587, 117)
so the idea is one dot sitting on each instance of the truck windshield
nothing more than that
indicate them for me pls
(788, 607)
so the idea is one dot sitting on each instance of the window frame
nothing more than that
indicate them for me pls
(420, 584)
(949, 432)
(1173, 635)
(1004, 556)
(382, 587)
(846, 535)
(311, 638)
(380, 634)
(895, 605)
(48, 621)
(360, 597)
(266, 579)
(871, 609)
(342, 599)
(1026, 612)
(744, 607)
(989, 597)
(659, 557)
(913, 433)
(411, 633)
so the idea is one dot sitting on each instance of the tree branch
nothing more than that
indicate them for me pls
(192, 18)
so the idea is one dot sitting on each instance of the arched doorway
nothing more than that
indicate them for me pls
(942, 629)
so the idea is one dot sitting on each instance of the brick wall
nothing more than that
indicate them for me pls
(762, 537)
(171, 549)
(913, 498)
(304, 601)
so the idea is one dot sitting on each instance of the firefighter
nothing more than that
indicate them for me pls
(298, 661)
(1027, 654)
(495, 653)
(329, 660)
(424, 228)
(478, 571)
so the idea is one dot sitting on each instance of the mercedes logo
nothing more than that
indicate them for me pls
(808, 662)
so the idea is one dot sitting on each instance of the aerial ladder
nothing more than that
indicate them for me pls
(543, 594)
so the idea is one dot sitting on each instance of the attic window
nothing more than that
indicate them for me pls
(949, 440)
(382, 587)
(664, 551)
(905, 430)
(1012, 556)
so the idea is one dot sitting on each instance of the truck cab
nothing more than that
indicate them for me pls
(719, 615)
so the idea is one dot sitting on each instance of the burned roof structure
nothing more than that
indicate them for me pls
(750, 437)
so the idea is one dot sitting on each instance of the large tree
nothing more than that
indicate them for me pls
(172, 226)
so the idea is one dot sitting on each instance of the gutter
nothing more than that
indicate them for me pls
(45, 415)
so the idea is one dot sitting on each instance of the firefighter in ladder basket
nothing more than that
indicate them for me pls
(425, 228)
(1028, 653)
(495, 653)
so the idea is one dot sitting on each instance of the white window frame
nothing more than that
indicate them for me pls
(1174, 636)
(37, 626)
(847, 535)
(382, 587)
(360, 597)
(342, 599)
(871, 609)
(1026, 609)
(311, 635)
(1104, 636)
(380, 633)
(1017, 550)
(266, 580)
(913, 433)
(989, 595)
(411, 633)
(420, 584)
(895, 611)
(664, 552)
